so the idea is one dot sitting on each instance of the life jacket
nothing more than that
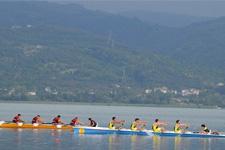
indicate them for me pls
(74, 122)
(177, 128)
(93, 123)
(133, 126)
(206, 130)
(56, 120)
(155, 127)
(16, 119)
(34, 120)
(111, 125)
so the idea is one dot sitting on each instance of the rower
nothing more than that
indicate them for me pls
(92, 123)
(17, 119)
(57, 120)
(204, 129)
(115, 124)
(157, 126)
(76, 122)
(37, 120)
(138, 124)
(179, 127)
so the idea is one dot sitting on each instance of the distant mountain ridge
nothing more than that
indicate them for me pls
(164, 19)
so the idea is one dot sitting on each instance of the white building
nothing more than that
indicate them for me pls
(31, 93)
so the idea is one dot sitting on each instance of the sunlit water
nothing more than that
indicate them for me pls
(26, 139)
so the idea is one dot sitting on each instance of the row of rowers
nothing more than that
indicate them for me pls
(137, 124)
(157, 126)
(57, 120)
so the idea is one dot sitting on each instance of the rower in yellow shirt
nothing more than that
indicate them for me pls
(157, 126)
(115, 124)
(180, 127)
(138, 124)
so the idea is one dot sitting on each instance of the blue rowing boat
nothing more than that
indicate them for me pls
(103, 130)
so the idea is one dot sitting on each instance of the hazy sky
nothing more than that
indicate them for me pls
(195, 8)
(188, 7)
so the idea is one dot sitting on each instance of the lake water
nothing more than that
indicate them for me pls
(26, 139)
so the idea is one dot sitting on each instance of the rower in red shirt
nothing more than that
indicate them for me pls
(57, 120)
(17, 119)
(37, 119)
(76, 122)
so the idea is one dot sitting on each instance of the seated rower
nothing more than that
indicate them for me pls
(57, 120)
(138, 125)
(37, 119)
(180, 128)
(92, 123)
(17, 119)
(115, 124)
(76, 122)
(205, 130)
(157, 126)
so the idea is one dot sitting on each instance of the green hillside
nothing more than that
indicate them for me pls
(34, 58)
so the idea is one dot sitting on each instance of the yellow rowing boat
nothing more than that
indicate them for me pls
(35, 126)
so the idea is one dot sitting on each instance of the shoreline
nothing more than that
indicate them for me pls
(114, 104)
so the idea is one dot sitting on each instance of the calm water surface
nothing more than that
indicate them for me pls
(11, 139)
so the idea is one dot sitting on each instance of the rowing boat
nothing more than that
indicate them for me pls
(102, 131)
(34, 126)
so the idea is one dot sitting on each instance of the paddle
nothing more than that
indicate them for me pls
(8, 122)
(46, 123)
(56, 124)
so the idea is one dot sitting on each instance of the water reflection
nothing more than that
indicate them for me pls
(156, 142)
(132, 142)
(177, 143)
(56, 137)
(58, 140)
(112, 140)
(18, 138)
(138, 141)
(206, 142)
(187, 143)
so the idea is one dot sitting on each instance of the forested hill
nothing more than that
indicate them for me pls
(70, 60)
(61, 52)
(132, 32)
